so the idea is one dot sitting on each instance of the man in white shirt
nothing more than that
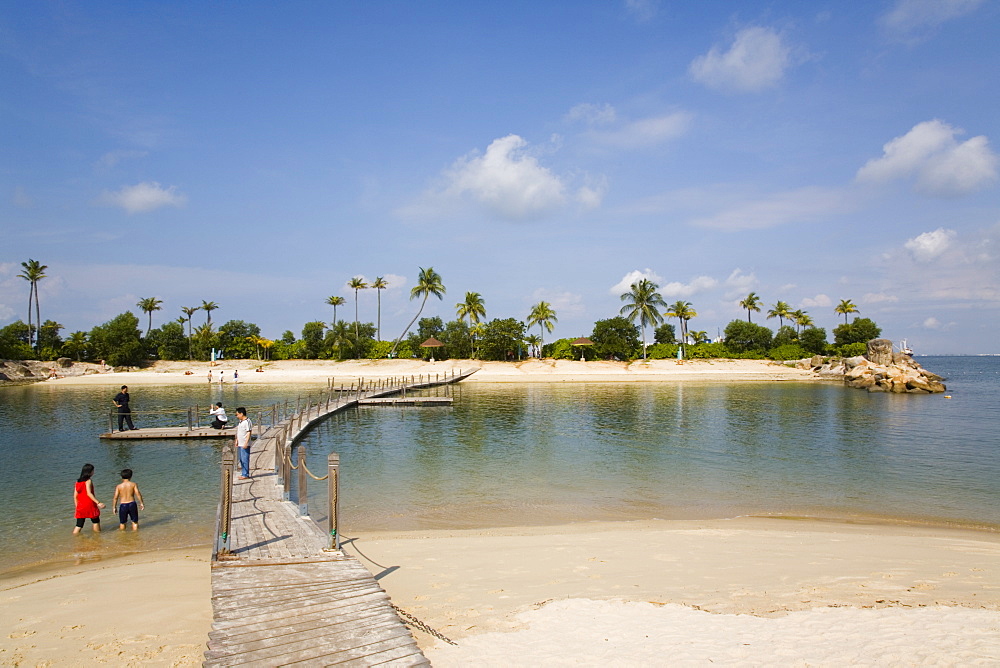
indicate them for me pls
(220, 420)
(243, 430)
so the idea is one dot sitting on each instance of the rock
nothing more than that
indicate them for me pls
(876, 388)
(880, 351)
(90, 372)
(817, 360)
(64, 362)
(862, 383)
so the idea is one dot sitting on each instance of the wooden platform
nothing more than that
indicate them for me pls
(170, 432)
(407, 401)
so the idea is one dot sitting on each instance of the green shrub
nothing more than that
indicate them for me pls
(662, 351)
(707, 351)
(789, 351)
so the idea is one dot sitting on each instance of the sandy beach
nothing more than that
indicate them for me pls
(745, 591)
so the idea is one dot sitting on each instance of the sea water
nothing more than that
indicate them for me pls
(516, 454)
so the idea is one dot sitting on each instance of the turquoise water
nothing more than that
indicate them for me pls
(508, 454)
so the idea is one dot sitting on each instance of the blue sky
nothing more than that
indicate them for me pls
(259, 155)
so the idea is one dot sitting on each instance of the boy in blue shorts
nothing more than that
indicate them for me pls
(128, 501)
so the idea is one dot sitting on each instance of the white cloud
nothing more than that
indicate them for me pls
(930, 245)
(878, 298)
(740, 284)
(144, 197)
(795, 206)
(912, 19)
(564, 303)
(645, 131)
(631, 277)
(756, 60)
(592, 114)
(819, 301)
(678, 289)
(940, 165)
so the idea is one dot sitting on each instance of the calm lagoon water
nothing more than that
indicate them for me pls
(509, 454)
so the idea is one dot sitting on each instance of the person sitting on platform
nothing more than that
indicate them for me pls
(220, 421)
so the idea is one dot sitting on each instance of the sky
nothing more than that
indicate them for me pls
(260, 155)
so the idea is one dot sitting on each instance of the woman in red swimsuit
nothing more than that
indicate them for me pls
(87, 505)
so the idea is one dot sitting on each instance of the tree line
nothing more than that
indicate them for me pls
(121, 341)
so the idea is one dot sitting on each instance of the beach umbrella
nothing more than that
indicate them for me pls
(431, 343)
(582, 341)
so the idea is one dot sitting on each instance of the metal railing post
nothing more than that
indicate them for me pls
(226, 502)
(303, 483)
(286, 492)
(333, 499)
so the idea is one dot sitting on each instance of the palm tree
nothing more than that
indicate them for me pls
(148, 305)
(379, 284)
(334, 302)
(801, 319)
(846, 306)
(474, 309)
(534, 341)
(76, 343)
(340, 334)
(751, 303)
(543, 316)
(683, 312)
(33, 271)
(208, 307)
(476, 332)
(644, 305)
(428, 283)
(699, 336)
(190, 311)
(781, 310)
(357, 283)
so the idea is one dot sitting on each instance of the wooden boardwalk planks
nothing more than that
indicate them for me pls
(281, 597)
(169, 432)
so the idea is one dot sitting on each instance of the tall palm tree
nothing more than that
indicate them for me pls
(208, 307)
(76, 343)
(846, 306)
(683, 312)
(644, 304)
(428, 283)
(334, 302)
(357, 283)
(543, 316)
(801, 319)
(781, 310)
(474, 309)
(33, 271)
(751, 303)
(190, 311)
(148, 305)
(379, 284)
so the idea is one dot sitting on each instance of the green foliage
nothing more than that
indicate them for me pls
(168, 342)
(49, 342)
(563, 349)
(788, 351)
(852, 349)
(746, 337)
(233, 339)
(707, 351)
(616, 337)
(403, 351)
(861, 330)
(376, 350)
(14, 342)
(785, 335)
(665, 334)
(502, 340)
(457, 341)
(118, 341)
(813, 339)
(312, 339)
(288, 338)
(663, 351)
(76, 344)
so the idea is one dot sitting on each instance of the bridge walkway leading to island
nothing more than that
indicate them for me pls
(282, 590)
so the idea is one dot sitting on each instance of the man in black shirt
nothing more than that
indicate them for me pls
(121, 401)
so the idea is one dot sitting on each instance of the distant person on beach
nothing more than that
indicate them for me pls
(87, 505)
(127, 501)
(243, 431)
(210, 375)
(124, 412)
(220, 420)
(236, 376)
(222, 376)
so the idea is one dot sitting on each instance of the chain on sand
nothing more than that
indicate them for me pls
(412, 621)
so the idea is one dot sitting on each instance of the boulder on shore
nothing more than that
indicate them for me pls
(880, 370)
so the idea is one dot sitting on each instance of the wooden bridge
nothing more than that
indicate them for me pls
(282, 590)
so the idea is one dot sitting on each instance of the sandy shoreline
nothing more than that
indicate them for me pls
(804, 590)
(547, 371)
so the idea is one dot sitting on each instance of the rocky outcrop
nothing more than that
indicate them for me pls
(879, 370)
(17, 372)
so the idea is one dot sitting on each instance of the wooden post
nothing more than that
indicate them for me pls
(279, 450)
(226, 502)
(286, 493)
(333, 499)
(274, 414)
(303, 482)
(189, 418)
(111, 422)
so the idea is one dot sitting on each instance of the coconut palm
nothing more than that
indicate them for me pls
(148, 305)
(190, 311)
(357, 283)
(699, 336)
(428, 283)
(379, 284)
(76, 343)
(534, 342)
(208, 307)
(644, 305)
(683, 312)
(334, 302)
(340, 335)
(801, 319)
(33, 271)
(751, 303)
(474, 309)
(543, 316)
(846, 306)
(781, 310)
